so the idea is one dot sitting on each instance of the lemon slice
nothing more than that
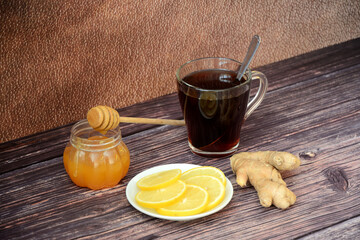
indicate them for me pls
(212, 185)
(205, 170)
(194, 201)
(159, 180)
(161, 197)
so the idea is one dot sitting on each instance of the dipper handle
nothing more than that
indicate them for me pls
(104, 118)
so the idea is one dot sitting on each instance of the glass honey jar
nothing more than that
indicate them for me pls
(94, 160)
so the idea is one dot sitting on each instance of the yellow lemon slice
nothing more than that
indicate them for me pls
(205, 170)
(212, 185)
(159, 180)
(194, 201)
(161, 197)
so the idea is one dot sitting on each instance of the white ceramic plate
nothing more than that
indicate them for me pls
(132, 190)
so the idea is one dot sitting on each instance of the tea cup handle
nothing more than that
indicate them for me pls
(260, 94)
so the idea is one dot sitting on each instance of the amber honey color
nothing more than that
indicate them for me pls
(100, 165)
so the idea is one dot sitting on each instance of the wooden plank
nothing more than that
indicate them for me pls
(68, 211)
(49, 205)
(332, 97)
(349, 229)
(313, 64)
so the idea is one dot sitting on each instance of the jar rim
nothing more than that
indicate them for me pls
(82, 131)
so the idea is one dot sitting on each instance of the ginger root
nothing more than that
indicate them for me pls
(261, 170)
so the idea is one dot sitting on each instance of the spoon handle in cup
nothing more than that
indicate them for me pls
(254, 44)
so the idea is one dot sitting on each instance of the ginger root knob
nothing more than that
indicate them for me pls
(261, 170)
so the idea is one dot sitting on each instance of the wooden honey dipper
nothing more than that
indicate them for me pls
(104, 118)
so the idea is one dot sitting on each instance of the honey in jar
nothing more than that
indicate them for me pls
(94, 160)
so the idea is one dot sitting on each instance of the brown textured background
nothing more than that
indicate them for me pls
(60, 58)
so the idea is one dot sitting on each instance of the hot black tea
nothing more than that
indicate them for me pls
(213, 118)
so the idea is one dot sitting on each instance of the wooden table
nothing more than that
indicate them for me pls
(312, 109)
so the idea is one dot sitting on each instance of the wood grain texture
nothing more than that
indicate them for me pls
(346, 230)
(312, 109)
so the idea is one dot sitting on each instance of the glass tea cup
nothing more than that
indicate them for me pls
(215, 104)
